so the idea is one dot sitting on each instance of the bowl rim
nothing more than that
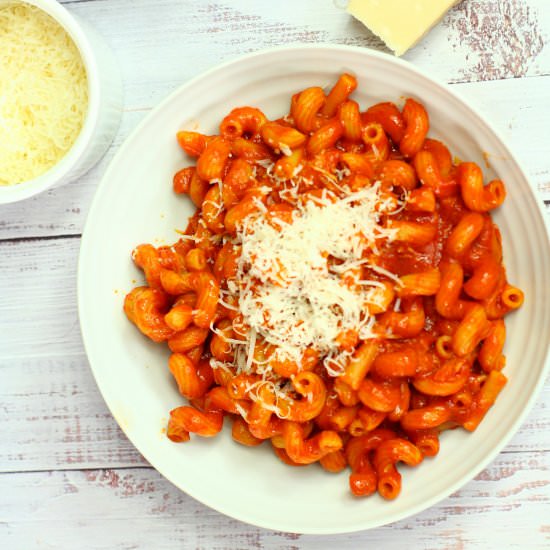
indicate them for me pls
(85, 243)
(56, 173)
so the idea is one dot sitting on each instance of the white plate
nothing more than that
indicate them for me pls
(135, 204)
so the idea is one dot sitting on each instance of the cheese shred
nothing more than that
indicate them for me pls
(43, 92)
(291, 282)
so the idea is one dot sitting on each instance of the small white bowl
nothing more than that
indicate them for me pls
(103, 114)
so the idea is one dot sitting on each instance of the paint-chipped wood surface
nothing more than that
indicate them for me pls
(69, 477)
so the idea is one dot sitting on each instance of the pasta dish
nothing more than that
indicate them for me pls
(339, 293)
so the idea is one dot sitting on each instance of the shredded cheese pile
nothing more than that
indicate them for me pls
(43, 92)
(291, 285)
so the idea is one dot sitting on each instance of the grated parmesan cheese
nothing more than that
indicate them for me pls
(43, 92)
(287, 291)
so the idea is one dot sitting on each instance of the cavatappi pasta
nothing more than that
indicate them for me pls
(339, 293)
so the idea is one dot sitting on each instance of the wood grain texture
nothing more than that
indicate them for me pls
(39, 299)
(502, 39)
(70, 477)
(487, 38)
(136, 508)
(53, 416)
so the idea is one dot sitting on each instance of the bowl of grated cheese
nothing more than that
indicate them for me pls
(60, 97)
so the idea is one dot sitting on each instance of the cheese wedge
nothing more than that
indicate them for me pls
(400, 23)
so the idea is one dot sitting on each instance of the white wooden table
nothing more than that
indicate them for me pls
(70, 478)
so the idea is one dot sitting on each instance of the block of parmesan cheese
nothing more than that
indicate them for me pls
(400, 23)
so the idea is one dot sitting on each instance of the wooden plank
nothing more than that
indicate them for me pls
(517, 108)
(504, 507)
(53, 416)
(497, 39)
(38, 289)
(477, 40)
